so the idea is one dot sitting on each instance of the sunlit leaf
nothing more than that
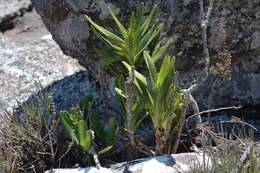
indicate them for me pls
(106, 33)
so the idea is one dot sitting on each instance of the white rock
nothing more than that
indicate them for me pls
(176, 163)
(80, 170)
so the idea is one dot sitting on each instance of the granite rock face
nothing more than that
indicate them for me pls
(40, 62)
(234, 29)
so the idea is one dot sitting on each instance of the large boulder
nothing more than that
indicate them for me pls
(23, 68)
(233, 29)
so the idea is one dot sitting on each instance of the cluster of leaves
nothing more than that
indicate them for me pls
(84, 128)
(159, 99)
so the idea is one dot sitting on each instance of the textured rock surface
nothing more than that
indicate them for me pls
(11, 8)
(26, 28)
(40, 61)
(176, 163)
(234, 25)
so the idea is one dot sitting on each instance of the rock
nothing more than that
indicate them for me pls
(40, 61)
(26, 28)
(186, 2)
(255, 44)
(65, 21)
(175, 163)
(10, 9)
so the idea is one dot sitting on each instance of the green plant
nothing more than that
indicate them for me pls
(77, 129)
(84, 128)
(163, 102)
(126, 51)
(105, 138)
(137, 108)
(139, 37)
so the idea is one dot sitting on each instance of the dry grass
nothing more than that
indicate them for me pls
(30, 140)
(230, 153)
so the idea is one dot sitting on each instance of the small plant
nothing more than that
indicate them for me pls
(105, 137)
(164, 103)
(84, 129)
(77, 129)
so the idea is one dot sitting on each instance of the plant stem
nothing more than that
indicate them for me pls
(177, 134)
(214, 110)
(204, 26)
(129, 104)
(96, 160)
(159, 140)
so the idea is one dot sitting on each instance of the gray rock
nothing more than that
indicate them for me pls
(11, 8)
(175, 163)
(65, 21)
(40, 62)
(255, 44)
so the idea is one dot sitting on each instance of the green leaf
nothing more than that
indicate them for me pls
(150, 19)
(68, 125)
(111, 133)
(120, 92)
(107, 41)
(151, 68)
(112, 37)
(161, 51)
(131, 27)
(105, 150)
(139, 121)
(89, 138)
(97, 127)
(82, 135)
(84, 105)
(108, 61)
(153, 35)
(164, 71)
(73, 115)
(119, 24)
(140, 15)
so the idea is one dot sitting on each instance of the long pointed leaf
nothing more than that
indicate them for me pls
(108, 61)
(105, 32)
(163, 71)
(68, 125)
(150, 20)
(82, 135)
(153, 35)
(119, 24)
(105, 150)
(89, 138)
(131, 27)
(151, 68)
(161, 51)
(106, 41)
